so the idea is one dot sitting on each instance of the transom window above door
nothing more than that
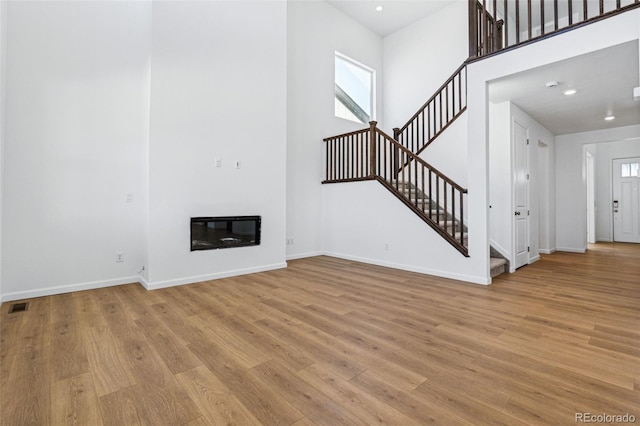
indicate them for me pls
(630, 170)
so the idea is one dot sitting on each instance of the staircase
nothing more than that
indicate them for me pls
(371, 154)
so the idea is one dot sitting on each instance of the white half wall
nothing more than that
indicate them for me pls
(571, 198)
(76, 108)
(365, 222)
(218, 91)
(316, 30)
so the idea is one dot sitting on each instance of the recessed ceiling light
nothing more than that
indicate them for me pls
(610, 117)
(570, 92)
(379, 8)
(551, 84)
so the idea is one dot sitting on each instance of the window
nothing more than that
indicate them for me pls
(630, 170)
(354, 90)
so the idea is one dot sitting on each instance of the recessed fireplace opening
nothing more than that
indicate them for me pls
(211, 233)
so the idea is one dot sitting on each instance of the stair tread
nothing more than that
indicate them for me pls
(496, 261)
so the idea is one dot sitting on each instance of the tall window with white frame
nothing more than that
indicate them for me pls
(354, 90)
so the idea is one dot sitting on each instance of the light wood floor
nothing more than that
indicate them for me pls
(334, 342)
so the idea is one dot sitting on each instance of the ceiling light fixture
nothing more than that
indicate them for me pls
(551, 84)
(570, 92)
(379, 8)
(610, 117)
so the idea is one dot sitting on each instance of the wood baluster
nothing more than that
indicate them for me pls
(601, 7)
(423, 188)
(495, 26)
(396, 164)
(585, 10)
(446, 209)
(446, 104)
(555, 15)
(386, 164)
(570, 11)
(518, 21)
(415, 181)
(462, 218)
(506, 24)
(453, 211)
(437, 198)
(440, 110)
(424, 136)
(541, 17)
(529, 25)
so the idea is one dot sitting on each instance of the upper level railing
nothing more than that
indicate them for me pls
(447, 104)
(495, 25)
(371, 154)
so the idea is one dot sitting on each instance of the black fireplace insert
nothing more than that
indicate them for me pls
(210, 233)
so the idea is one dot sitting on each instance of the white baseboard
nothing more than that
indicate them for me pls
(545, 251)
(48, 291)
(534, 259)
(304, 255)
(572, 249)
(426, 271)
(151, 285)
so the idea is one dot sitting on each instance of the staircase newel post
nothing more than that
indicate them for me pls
(372, 148)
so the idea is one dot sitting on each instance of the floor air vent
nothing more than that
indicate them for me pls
(18, 307)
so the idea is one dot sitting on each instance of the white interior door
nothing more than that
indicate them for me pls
(626, 200)
(521, 194)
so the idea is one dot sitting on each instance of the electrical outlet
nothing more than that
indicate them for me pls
(237, 164)
(119, 256)
(129, 198)
(386, 246)
(218, 162)
(289, 241)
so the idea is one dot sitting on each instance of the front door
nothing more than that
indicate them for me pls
(521, 194)
(626, 200)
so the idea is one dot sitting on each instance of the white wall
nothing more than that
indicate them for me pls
(419, 58)
(367, 223)
(76, 103)
(316, 31)
(571, 184)
(218, 90)
(500, 178)
(3, 74)
(547, 196)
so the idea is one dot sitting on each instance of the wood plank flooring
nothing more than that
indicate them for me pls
(334, 342)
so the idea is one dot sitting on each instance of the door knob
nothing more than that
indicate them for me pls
(517, 213)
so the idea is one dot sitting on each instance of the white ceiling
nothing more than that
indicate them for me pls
(395, 14)
(604, 79)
